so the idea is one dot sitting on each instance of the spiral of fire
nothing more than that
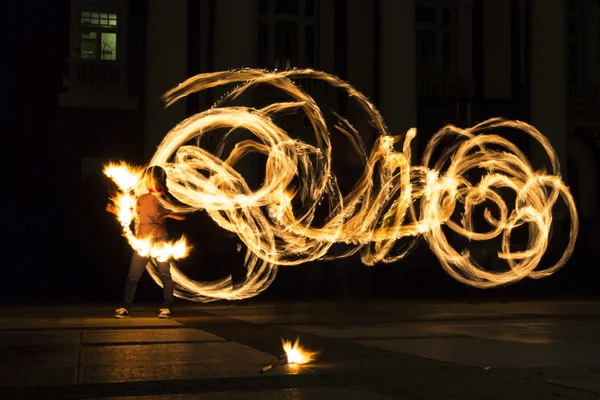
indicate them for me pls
(392, 204)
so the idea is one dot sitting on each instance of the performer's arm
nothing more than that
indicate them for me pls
(174, 216)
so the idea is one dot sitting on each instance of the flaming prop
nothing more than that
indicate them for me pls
(294, 354)
(392, 204)
(127, 180)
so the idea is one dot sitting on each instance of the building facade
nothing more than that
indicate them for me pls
(423, 63)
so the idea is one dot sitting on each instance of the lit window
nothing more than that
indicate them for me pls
(89, 45)
(109, 46)
(107, 20)
(98, 36)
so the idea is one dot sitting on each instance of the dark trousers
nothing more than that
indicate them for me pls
(136, 269)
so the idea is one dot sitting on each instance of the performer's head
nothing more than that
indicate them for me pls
(156, 179)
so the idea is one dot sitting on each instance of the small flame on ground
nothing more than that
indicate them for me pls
(297, 354)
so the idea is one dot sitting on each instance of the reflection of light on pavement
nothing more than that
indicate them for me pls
(390, 201)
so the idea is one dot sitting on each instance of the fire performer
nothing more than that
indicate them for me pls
(152, 224)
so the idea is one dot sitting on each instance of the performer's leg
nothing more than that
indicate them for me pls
(164, 272)
(136, 269)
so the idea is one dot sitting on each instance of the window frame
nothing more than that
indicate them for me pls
(267, 50)
(99, 30)
(441, 30)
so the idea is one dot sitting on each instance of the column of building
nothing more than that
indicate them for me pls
(397, 67)
(235, 47)
(497, 49)
(548, 79)
(593, 42)
(166, 67)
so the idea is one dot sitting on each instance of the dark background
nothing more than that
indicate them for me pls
(61, 246)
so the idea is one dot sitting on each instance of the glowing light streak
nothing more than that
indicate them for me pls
(391, 201)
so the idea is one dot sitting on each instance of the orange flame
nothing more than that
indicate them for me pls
(128, 179)
(297, 354)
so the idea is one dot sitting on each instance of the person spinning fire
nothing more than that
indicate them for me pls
(152, 223)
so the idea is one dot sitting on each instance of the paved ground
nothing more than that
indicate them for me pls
(378, 350)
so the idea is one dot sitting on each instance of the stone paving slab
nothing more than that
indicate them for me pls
(139, 355)
(157, 362)
(39, 356)
(86, 323)
(486, 353)
(591, 385)
(134, 336)
(28, 376)
(583, 379)
(349, 393)
(379, 331)
(18, 338)
(33, 323)
(536, 332)
(410, 310)
(133, 322)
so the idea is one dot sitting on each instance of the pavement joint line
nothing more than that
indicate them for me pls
(110, 344)
(353, 338)
(94, 329)
(79, 358)
(514, 317)
(572, 387)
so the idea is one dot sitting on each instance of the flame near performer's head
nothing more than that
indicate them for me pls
(127, 179)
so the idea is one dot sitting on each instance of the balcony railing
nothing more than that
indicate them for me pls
(584, 99)
(96, 76)
(97, 84)
(445, 88)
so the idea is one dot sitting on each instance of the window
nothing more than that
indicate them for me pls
(425, 14)
(426, 53)
(98, 36)
(286, 44)
(109, 46)
(573, 64)
(446, 17)
(99, 19)
(436, 35)
(286, 7)
(572, 26)
(262, 45)
(310, 8)
(447, 56)
(287, 34)
(263, 6)
(310, 46)
(89, 45)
